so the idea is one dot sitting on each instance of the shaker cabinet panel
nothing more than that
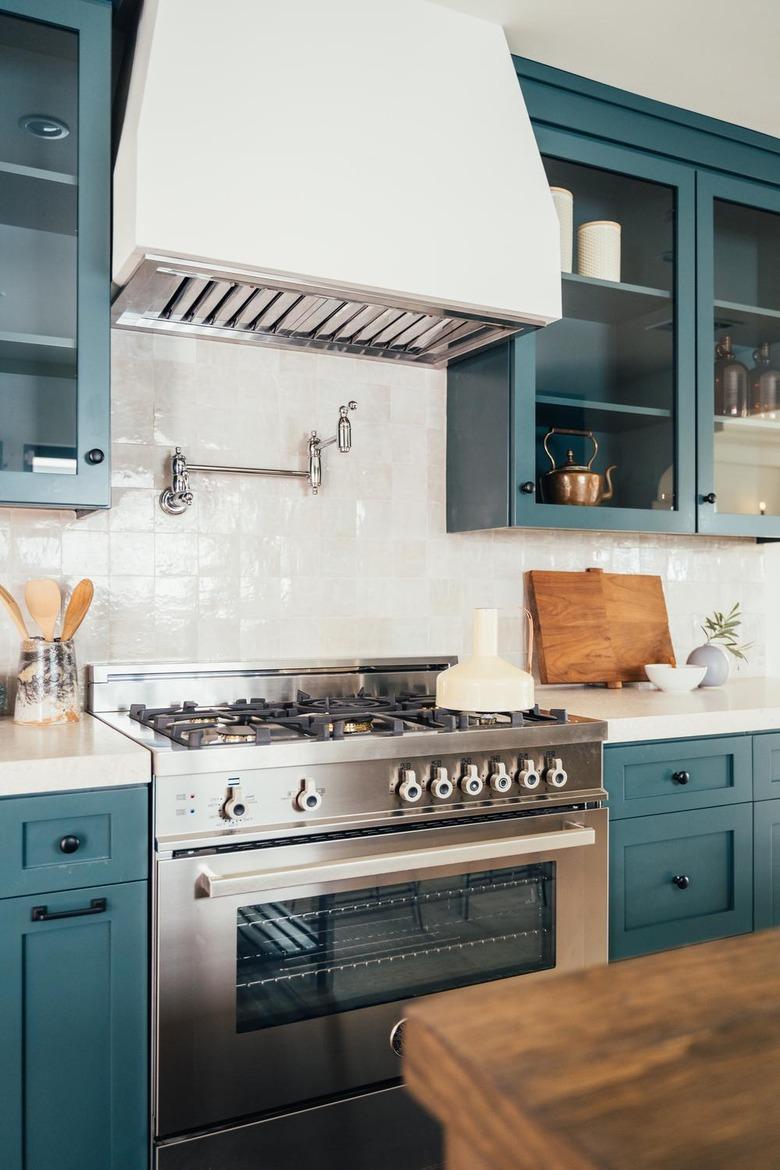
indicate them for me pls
(73, 1021)
(70, 839)
(766, 766)
(54, 241)
(673, 775)
(680, 878)
(766, 846)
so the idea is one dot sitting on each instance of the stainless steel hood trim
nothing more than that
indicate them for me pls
(170, 294)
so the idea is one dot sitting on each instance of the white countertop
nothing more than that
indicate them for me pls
(639, 711)
(68, 756)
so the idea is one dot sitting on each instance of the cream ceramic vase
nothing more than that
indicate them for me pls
(485, 682)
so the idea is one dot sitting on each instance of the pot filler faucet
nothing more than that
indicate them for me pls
(178, 496)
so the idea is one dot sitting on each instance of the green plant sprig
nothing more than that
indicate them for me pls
(724, 629)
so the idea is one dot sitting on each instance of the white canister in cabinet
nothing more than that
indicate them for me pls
(563, 201)
(598, 249)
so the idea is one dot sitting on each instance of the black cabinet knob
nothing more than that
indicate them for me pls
(681, 880)
(95, 455)
(528, 488)
(709, 498)
(69, 844)
(681, 777)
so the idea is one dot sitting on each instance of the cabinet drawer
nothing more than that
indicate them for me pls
(766, 765)
(73, 839)
(661, 777)
(709, 850)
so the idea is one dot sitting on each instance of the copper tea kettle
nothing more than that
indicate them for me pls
(575, 483)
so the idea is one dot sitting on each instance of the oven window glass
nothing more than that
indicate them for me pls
(317, 956)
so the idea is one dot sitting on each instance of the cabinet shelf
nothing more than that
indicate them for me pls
(605, 415)
(588, 299)
(33, 198)
(747, 324)
(35, 349)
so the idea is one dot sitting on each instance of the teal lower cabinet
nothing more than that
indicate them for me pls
(680, 878)
(766, 845)
(74, 974)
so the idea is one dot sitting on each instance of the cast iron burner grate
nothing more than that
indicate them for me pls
(257, 721)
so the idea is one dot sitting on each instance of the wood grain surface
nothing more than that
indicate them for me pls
(597, 627)
(668, 1062)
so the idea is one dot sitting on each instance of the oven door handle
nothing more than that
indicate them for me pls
(571, 836)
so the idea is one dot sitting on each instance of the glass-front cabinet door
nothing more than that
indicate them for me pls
(604, 398)
(739, 357)
(54, 280)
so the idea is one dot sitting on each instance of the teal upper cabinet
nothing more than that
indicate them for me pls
(55, 104)
(627, 379)
(738, 227)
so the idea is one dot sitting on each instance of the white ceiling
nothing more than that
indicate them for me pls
(712, 56)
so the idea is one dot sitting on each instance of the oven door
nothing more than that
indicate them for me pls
(283, 971)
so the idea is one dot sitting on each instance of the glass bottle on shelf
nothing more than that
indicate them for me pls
(764, 384)
(731, 382)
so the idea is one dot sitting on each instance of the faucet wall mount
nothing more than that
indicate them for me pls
(178, 496)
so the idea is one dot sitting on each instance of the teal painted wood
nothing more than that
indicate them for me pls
(709, 188)
(564, 100)
(90, 487)
(766, 863)
(647, 778)
(766, 766)
(712, 847)
(112, 828)
(74, 1026)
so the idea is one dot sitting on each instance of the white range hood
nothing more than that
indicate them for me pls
(353, 175)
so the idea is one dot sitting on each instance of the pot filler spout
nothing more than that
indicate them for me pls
(363, 178)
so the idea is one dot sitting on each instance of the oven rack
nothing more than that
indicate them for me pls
(305, 945)
(422, 952)
(411, 897)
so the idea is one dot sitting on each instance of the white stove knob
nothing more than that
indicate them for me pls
(528, 777)
(555, 776)
(471, 782)
(410, 789)
(500, 780)
(308, 799)
(234, 806)
(441, 785)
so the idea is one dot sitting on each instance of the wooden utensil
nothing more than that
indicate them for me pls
(15, 612)
(76, 611)
(597, 627)
(44, 602)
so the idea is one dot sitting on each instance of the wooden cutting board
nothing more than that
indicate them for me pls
(597, 627)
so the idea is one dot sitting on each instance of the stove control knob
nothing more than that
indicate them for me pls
(410, 789)
(528, 777)
(471, 782)
(308, 799)
(500, 780)
(555, 776)
(234, 806)
(441, 785)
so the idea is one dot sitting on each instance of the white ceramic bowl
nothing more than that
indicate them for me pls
(674, 678)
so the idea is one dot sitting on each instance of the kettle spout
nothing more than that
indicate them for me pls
(608, 476)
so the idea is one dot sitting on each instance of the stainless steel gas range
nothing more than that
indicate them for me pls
(329, 846)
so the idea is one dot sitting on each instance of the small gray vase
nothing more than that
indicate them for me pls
(716, 661)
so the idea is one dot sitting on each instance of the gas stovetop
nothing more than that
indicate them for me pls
(328, 746)
(259, 721)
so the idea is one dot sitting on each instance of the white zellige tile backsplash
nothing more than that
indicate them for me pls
(260, 568)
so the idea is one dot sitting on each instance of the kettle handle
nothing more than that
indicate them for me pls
(569, 431)
(529, 640)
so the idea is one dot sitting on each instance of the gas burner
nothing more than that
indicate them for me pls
(344, 705)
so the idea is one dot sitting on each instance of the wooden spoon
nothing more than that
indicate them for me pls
(15, 612)
(76, 611)
(44, 602)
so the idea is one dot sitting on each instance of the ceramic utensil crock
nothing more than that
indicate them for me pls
(47, 683)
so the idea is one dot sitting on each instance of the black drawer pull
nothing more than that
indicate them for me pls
(681, 777)
(41, 913)
(681, 880)
(69, 844)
